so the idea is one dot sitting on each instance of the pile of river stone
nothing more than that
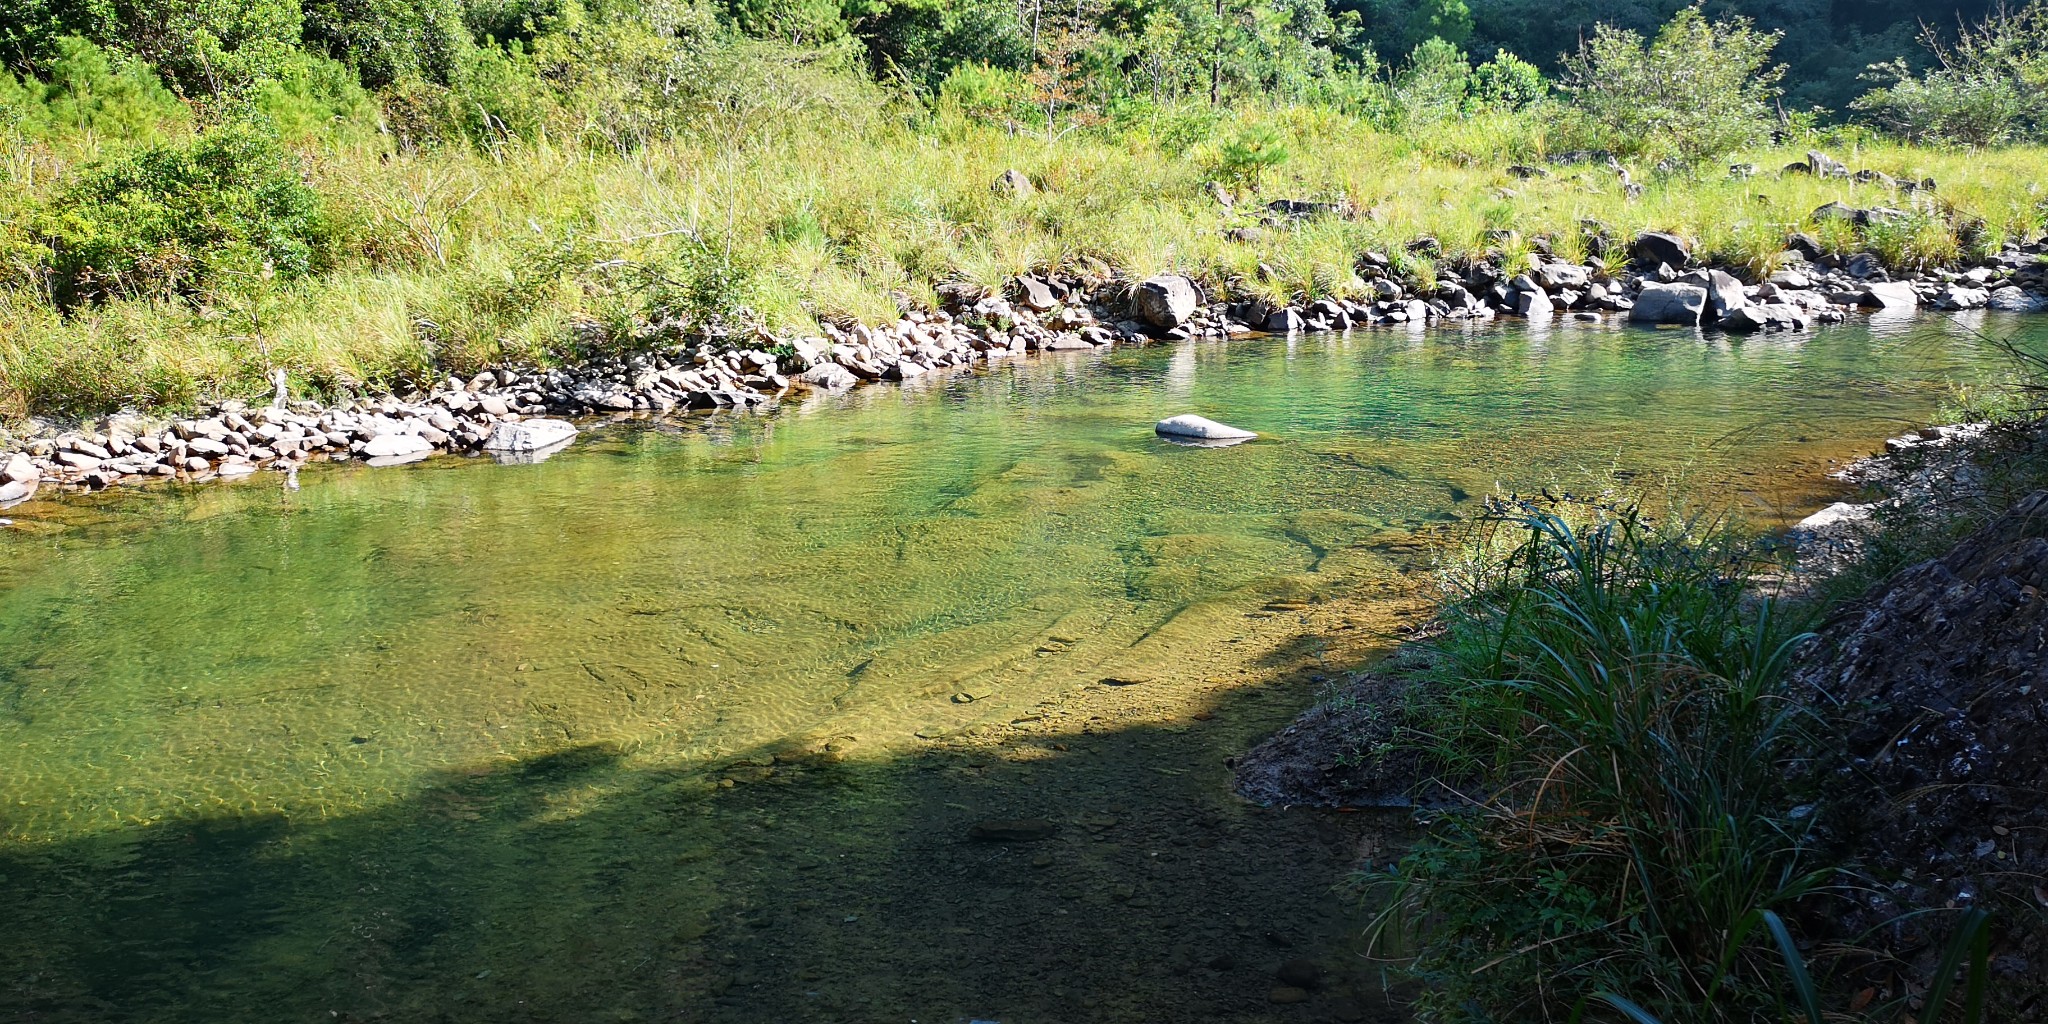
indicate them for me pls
(505, 410)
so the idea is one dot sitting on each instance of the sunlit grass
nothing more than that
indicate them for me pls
(848, 223)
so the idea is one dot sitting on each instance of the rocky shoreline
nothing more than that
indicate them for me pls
(518, 413)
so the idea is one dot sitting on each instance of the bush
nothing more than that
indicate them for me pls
(1244, 160)
(1698, 90)
(1506, 83)
(202, 48)
(1985, 89)
(171, 218)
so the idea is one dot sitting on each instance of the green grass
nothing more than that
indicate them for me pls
(843, 212)
(1623, 703)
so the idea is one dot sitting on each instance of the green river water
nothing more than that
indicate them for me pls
(688, 722)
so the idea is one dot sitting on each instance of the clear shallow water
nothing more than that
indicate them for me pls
(364, 692)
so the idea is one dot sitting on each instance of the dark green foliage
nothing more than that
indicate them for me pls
(924, 40)
(1506, 82)
(201, 47)
(170, 219)
(390, 41)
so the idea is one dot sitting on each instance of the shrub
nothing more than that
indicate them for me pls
(1507, 83)
(1698, 90)
(1244, 160)
(202, 47)
(1986, 88)
(1432, 86)
(170, 218)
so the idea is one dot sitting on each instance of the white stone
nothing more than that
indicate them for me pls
(529, 435)
(1201, 429)
(1835, 515)
(389, 445)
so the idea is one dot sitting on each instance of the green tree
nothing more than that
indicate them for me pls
(201, 47)
(1448, 20)
(1697, 90)
(389, 41)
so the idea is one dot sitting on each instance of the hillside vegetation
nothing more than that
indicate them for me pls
(372, 193)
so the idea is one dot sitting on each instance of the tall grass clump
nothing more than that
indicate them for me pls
(1614, 695)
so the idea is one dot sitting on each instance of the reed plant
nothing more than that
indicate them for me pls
(1620, 699)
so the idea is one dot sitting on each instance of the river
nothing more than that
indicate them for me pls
(691, 721)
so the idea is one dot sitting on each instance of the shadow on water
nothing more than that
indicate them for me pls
(794, 884)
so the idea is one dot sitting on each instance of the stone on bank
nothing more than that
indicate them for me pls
(529, 435)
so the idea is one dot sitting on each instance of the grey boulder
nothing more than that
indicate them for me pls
(1669, 304)
(1654, 247)
(1889, 295)
(2014, 299)
(385, 446)
(529, 435)
(1724, 295)
(1165, 301)
(829, 376)
(1200, 428)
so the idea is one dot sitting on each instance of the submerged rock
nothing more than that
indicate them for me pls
(1012, 830)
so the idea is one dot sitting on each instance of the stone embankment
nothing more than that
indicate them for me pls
(1032, 313)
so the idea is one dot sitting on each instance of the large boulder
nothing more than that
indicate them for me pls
(1669, 304)
(1534, 304)
(1556, 277)
(2014, 299)
(385, 446)
(1724, 295)
(1654, 247)
(1033, 292)
(1775, 316)
(1013, 182)
(1821, 165)
(530, 435)
(1165, 301)
(829, 376)
(1889, 295)
(1956, 296)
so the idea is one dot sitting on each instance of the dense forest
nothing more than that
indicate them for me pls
(1110, 48)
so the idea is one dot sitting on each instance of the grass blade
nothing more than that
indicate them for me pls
(1634, 1012)
(1795, 965)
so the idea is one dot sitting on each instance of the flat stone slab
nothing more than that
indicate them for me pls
(529, 435)
(1200, 429)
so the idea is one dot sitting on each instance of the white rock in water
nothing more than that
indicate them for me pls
(1199, 427)
(388, 445)
(529, 435)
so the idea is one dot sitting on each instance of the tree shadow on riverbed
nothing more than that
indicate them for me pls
(787, 886)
